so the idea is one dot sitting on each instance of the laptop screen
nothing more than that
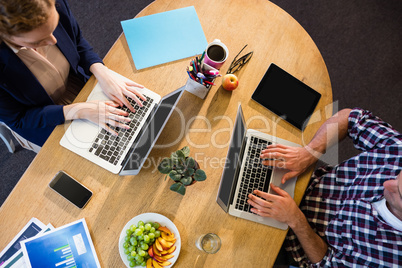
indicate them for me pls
(143, 146)
(229, 172)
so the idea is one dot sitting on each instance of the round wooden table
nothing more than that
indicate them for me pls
(205, 125)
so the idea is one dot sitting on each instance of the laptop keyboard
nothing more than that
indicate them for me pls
(255, 175)
(110, 147)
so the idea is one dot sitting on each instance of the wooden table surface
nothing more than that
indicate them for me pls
(204, 125)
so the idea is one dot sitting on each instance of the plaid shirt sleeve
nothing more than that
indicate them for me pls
(368, 131)
(337, 202)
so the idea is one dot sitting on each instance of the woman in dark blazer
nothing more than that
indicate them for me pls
(25, 106)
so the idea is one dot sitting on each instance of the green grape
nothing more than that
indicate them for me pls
(157, 233)
(146, 238)
(132, 227)
(132, 240)
(138, 240)
(139, 258)
(137, 232)
(148, 226)
(141, 253)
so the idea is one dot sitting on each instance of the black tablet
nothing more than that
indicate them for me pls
(286, 96)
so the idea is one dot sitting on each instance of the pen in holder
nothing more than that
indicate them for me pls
(201, 77)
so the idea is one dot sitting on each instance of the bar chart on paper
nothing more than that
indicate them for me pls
(69, 246)
(66, 257)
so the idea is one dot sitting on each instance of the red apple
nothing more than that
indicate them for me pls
(230, 82)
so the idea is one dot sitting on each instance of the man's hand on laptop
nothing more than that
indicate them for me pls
(117, 88)
(98, 112)
(280, 207)
(295, 159)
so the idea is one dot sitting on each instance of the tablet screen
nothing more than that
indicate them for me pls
(286, 96)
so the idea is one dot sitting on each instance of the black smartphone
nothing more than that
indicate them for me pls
(69, 188)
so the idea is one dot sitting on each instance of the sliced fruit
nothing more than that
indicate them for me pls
(164, 229)
(151, 251)
(158, 245)
(155, 250)
(170, 250)
(167, 237)
(158, 259)
(167, 256)
(149, 263)
(165, 244)
(156, 264)
(165, 263)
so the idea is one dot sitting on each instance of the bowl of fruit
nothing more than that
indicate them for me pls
(150, 240)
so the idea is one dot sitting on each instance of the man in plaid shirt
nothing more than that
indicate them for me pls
(351, 214)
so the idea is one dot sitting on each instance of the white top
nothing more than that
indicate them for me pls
(387, 215)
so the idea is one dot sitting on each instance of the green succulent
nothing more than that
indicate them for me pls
(182, 169)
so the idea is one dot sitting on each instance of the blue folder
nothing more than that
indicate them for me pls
(164, 37)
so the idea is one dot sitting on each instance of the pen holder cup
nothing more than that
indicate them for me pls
(197, 89)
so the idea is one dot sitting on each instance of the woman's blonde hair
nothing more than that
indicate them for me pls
(22, 16)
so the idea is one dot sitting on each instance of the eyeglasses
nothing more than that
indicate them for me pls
(237, 64)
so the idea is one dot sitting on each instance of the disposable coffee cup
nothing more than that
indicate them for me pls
(216, 54)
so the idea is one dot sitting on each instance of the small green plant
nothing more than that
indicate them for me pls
(182, 169)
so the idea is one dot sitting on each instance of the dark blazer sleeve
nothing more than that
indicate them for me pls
(34, 123)
(85, 55)
(24, 104)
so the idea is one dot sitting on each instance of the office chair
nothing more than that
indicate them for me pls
(5, 135)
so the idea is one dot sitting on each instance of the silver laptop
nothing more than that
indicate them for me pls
(243, 172)
(126, 153)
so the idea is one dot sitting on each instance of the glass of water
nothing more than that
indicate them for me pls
(209, 243)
